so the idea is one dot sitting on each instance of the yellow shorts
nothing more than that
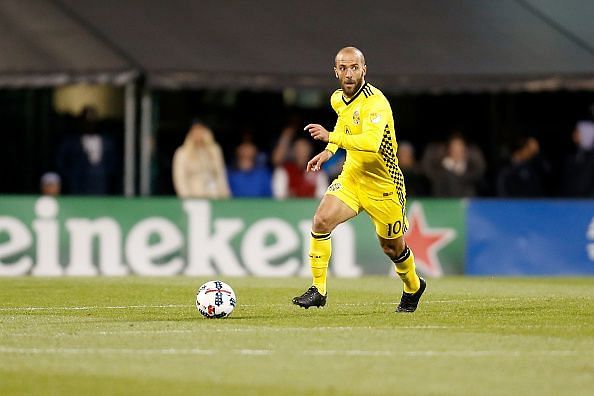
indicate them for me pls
(385, 208)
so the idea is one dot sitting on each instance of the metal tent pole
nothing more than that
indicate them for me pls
(129, 139)
(146, 143)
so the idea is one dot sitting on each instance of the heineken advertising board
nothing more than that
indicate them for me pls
(44, 236)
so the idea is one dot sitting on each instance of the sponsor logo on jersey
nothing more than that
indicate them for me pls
(375, 118)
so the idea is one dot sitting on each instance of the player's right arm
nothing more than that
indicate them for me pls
(335, 100)
(315, 164)
(375, 114)
(331, 146)
(318, 132)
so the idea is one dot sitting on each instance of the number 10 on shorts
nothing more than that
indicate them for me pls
(394, 229)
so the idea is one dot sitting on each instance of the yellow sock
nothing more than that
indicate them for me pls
(320, 249)
(405, 268)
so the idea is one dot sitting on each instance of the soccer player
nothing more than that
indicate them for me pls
(370, 180)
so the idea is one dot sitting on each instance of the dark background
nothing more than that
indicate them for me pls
(31, 131)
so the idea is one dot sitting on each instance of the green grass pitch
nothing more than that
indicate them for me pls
(127, 336)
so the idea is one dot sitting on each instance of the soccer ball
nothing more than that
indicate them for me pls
(215, 299)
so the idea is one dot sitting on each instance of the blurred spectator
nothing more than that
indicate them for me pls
(199, 167)
(247, 136)
(290, 178)
(578, 178)
(527, 172)
(283, 147)
(455, 168)
(417, 184)
(333, 166)
(248, 178)
(87, 161)
(51, 184)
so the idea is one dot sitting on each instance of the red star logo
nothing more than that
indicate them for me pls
(425, 242)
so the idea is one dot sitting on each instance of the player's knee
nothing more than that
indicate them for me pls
(393, 248)
(389, 250)
(322, 223)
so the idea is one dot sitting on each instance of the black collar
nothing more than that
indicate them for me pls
(348, 102)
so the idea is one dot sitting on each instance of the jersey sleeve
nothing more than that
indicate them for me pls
(334, 102)
(374, 117)
(332, 148)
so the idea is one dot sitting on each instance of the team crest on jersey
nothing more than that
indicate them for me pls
(356, 117)
(334, 187)
(375, 118)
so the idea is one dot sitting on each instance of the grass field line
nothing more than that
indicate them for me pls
(267, 352)
(254, 329)
(277, 329)
(91, 307)
(269, 328)
(97, 307)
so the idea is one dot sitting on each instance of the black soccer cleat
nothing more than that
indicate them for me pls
(409, 301)
(311, 298)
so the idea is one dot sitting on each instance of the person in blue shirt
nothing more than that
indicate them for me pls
(247, 177)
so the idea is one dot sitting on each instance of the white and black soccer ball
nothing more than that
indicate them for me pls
(215, 299)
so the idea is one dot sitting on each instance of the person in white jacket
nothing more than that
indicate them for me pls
(199, 167)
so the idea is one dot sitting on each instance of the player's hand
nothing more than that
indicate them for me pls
(317, 132)
(315, 164)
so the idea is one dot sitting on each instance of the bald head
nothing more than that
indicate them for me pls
(350, 52)
(350, 69)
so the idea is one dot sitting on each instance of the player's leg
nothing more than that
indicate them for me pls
(404, 261)
(391, 224)
(331, 212)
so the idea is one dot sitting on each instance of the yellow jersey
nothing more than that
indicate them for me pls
(365, 129)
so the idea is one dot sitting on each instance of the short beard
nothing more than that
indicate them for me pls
(355, 88)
